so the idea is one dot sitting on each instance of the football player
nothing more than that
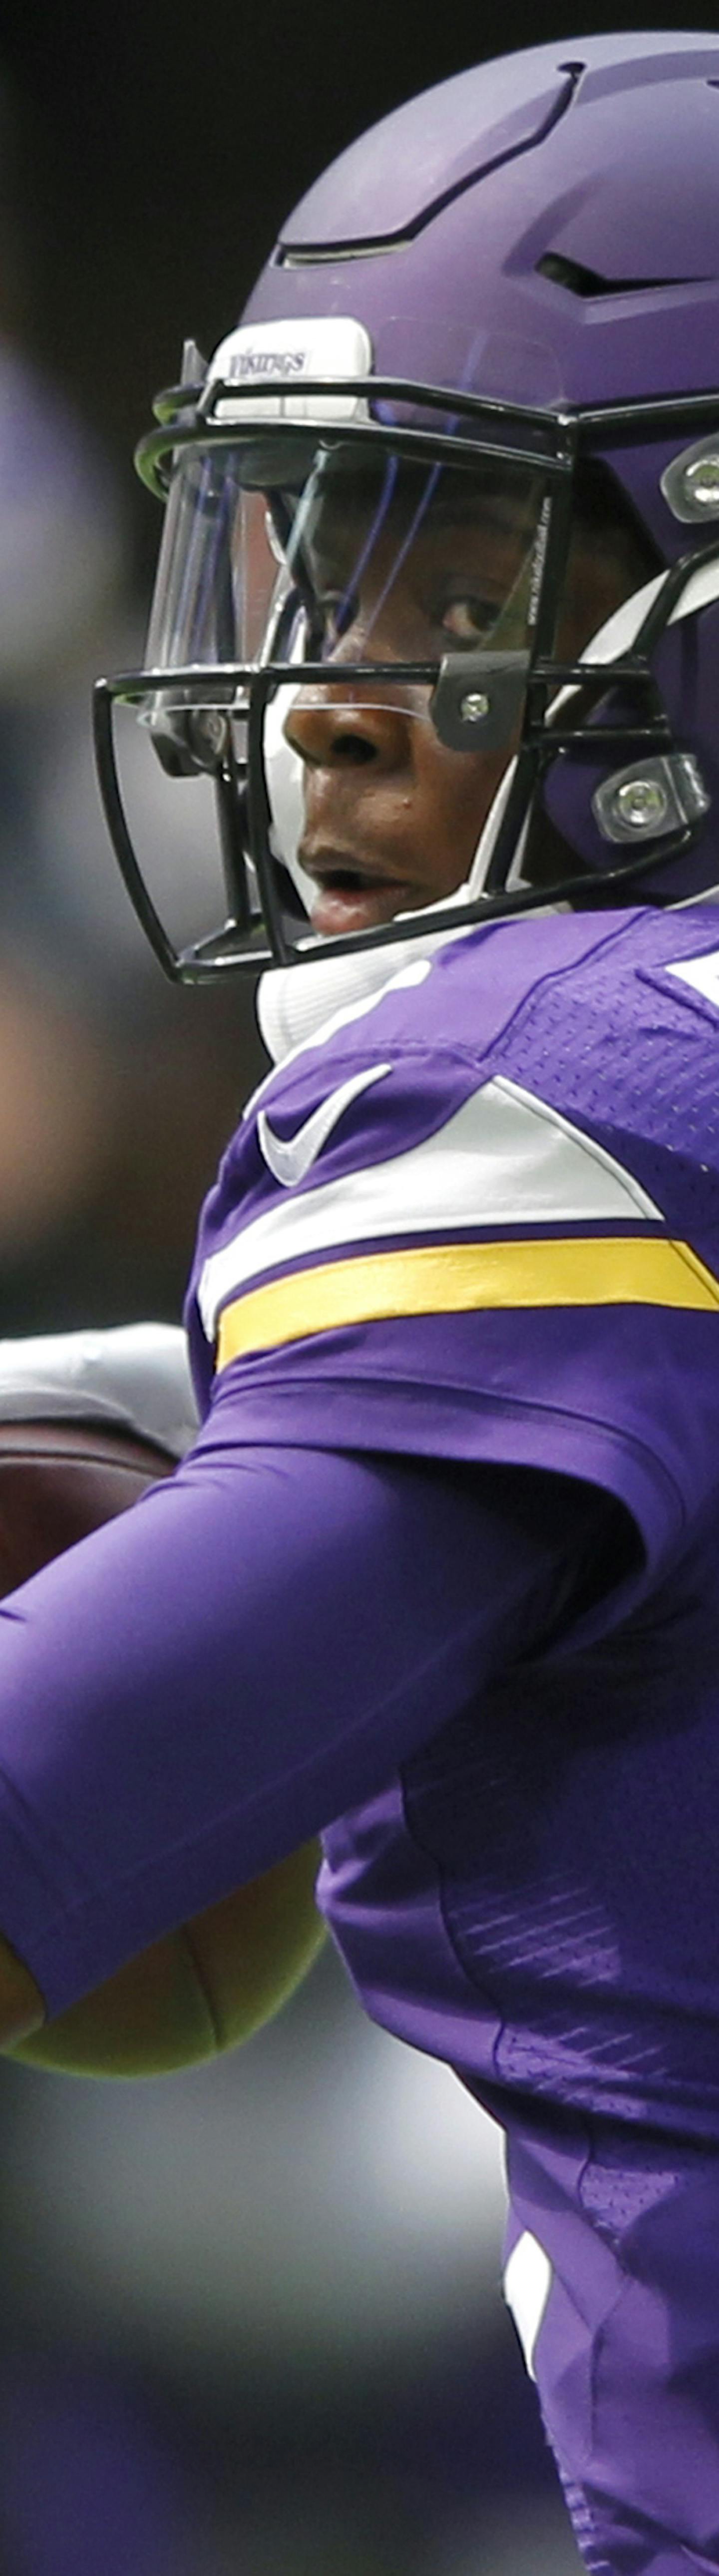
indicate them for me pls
(436, 643)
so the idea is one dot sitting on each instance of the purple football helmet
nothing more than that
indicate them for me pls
(491, 330)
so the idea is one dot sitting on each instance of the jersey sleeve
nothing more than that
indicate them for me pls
(253, 1649)
(404, 1256)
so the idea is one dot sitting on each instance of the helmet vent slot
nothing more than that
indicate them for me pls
(587, 281)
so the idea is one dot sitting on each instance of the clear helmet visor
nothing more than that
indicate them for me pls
(385, 544)
(219, 566)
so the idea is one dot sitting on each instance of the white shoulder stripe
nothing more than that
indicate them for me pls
(504, 1158)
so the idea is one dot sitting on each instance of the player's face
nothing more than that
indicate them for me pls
(391, 816)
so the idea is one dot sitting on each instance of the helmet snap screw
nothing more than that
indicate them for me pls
(209, 734)
(690, 483)
(475, 707)
(642, 804)
(701, 482)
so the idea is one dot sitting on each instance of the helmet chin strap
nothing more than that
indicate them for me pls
(292, 1007)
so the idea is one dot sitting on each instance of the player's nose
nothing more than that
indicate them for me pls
(333, 729)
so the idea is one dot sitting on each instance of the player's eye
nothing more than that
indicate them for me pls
(468, 617)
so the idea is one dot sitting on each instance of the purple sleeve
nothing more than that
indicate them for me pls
(193, 1691)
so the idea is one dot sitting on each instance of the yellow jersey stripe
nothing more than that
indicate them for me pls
(458, 1278)
(502, 1159)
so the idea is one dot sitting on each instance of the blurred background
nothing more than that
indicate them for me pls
(251, 2317)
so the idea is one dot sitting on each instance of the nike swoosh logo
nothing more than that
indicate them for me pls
(702, 972)
(289, 1159)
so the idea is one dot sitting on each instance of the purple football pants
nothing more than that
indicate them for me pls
(613, 2280)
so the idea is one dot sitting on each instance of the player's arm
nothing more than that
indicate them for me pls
(135, 1377)
(187, 1697)
(250, 1951)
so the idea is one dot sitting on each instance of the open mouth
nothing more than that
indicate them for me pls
(351, 896)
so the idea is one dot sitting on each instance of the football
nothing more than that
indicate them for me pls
(59, 1481)
(206, 1986)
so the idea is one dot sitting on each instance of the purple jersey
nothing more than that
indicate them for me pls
(478, 1219)
(439, 1577)
(497, 1238)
